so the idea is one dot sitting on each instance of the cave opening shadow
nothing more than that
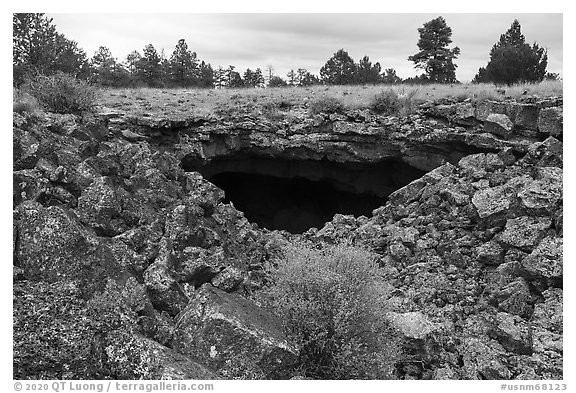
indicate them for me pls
(298, 194)
(293, 204)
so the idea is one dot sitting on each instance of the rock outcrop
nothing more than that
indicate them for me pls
(126, 266)
(481, 253)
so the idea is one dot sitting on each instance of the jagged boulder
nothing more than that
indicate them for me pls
(231, 335)
(498, 124)
(524, 232)
(100, 206)
(547, 323)
(515, 298)
(545, 261)
(164, 290)
(484, 359)
(550, 121)
(151, 359)
(543, 195)
(513, 332)
(53, 246)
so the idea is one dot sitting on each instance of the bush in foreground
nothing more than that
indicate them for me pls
(331, 304)
(62, 93)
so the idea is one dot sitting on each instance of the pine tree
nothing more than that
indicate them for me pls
(258, 78)
(339, 69)
(305, 78)
(291, 78)
(206, 78)
(104, 66)
(366, 72)
(276, 81)
(183, 66)
(512, 60)
(233, 78)
(149, 67)
(434, 57)
(131, 60)
(38, 47)
(389, 77)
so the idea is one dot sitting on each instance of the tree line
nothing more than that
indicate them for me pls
(39, 48)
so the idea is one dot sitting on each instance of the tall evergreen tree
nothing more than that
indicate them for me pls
(512, 60)
(149, 67)
(131, 60)
(339, 69)
(104, 67)
(434, 57)
(183, 66)
(219, 77)
(366, 72)
(206, 75)
(233, 78)
(38, 47)
(291, 78)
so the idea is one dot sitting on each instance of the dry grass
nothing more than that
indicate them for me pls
(205, 102)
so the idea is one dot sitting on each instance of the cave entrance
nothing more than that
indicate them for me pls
(296, 195)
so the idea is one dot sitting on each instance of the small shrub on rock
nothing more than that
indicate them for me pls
(62, 93)
(326, 105)
(386, 102)
(331, 304)
(389, 102)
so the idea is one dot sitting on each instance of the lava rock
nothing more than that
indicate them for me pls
(483, 359)
(498, 124)
(547, 322)
(493, 202)
(550, 121)
(515, 298)
(543, 196)
(481, 161)
(490, 253)
(411, 324)
(525, 115)
(546, 259)
(168, 364)
(164, 291)
(225, 330)
(514, 333)
(545, 154)
(524, 232)
(229, 279)
(100, 206)
(53, 246)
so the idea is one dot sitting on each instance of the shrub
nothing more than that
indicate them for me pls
(330, 301)
(326, 104)
(62, 93)
(386, 102)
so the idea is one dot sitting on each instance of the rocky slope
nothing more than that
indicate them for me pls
(127, 266)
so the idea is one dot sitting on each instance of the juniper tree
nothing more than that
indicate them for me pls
(512, 60)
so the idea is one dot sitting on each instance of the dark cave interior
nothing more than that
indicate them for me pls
(296, 195)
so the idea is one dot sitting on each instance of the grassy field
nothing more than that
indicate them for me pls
(203, 102)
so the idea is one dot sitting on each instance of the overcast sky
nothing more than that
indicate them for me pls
(291, 41)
